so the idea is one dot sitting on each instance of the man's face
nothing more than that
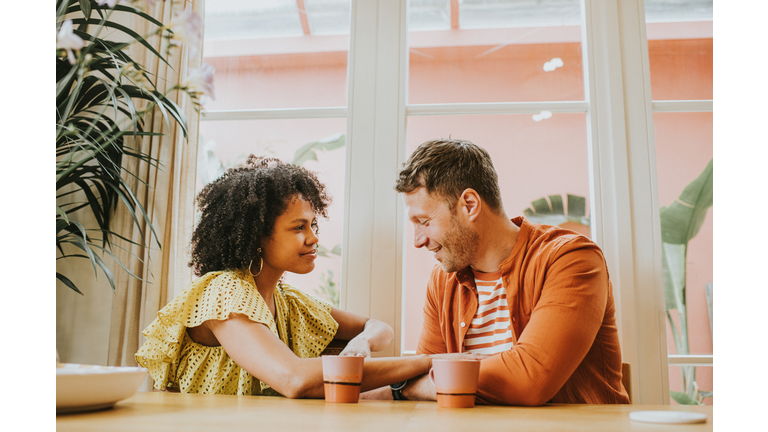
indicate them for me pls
(441, 230)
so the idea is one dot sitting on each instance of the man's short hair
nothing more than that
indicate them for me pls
(447, 167)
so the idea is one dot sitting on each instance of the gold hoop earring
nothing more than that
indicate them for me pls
(261, 264)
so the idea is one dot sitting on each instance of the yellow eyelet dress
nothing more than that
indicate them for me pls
(304, 324)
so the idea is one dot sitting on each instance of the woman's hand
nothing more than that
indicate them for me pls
(358, 346)
(364, 335)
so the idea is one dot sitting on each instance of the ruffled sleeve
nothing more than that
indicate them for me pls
(215, 295)
(307, 322)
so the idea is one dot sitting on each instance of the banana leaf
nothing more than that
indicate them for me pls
(551, 211)
(308, 151)
(324, 252)
(682, 398)
(680, 222)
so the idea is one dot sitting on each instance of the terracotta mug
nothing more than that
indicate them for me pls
(342, 376)
(455, 381)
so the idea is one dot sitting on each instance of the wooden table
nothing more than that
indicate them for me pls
(160, 411)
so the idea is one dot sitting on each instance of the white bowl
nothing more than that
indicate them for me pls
(89, 387)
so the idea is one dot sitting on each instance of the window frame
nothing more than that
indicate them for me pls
(624, 204)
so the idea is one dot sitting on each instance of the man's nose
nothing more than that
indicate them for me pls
(419, 238)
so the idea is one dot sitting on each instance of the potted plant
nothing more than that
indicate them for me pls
(102, 98)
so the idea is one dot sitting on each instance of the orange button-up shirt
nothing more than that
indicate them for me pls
(562, 318)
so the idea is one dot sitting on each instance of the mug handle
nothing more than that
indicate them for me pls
(432, 376)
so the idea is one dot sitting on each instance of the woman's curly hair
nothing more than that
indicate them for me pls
(240, 207)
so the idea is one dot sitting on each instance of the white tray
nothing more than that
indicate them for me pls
(668, 417)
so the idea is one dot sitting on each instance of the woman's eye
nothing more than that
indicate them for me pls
(299, 228)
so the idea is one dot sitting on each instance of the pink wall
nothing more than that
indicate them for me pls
(514, 73)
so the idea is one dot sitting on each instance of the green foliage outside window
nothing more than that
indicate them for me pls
(680, 222)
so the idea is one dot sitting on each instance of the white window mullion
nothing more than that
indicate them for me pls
(496, 108)
(682, 106)
(272, 114)
(370, 268)
(625, 204)
(690, 360)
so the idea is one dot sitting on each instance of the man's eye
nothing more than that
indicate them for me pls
(299, 228)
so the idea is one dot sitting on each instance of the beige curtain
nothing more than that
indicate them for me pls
(167, 198)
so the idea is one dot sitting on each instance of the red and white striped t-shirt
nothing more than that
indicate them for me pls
(489, 332)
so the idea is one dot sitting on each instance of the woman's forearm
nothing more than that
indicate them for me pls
(389, 370)
(257, 350)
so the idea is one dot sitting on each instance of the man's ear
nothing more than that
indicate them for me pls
(470, 203)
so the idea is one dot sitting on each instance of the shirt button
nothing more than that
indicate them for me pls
(463, 325)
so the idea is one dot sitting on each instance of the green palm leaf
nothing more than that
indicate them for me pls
(308, 151)
(551, 211)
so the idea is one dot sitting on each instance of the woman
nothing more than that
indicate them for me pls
(238, 329)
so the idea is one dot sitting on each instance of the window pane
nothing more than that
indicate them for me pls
(328, 16)
(683, 151)
(429, 14)
(224, 144)
(680, 49)
(278, 66)
(247, 19)
(502, 51)
(516, 13)
(702, 375)
(678, 11)
(534, 159)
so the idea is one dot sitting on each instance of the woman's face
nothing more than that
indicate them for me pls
(292, 244)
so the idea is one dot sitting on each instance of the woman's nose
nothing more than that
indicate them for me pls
(312, 238)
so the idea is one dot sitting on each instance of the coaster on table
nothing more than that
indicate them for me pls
(668, 417)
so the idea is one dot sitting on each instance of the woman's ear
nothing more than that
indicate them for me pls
(470, 203)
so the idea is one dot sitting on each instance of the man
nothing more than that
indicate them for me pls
(534, 302)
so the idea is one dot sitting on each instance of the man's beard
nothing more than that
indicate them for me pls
(460, 246)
